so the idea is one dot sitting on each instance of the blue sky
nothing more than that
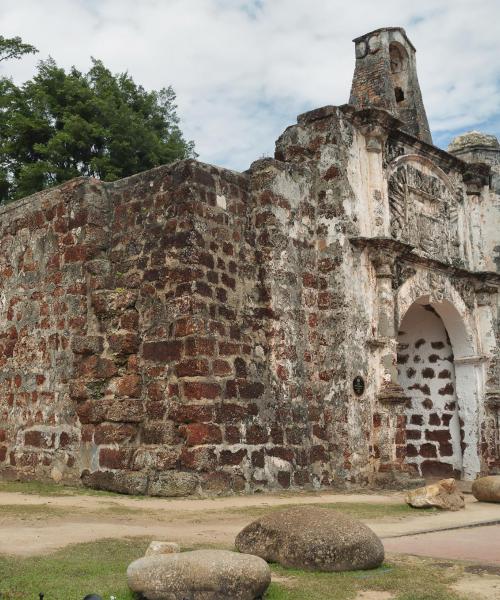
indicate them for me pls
(243, 70)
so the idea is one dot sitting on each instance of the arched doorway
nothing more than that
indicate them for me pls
(426, 371)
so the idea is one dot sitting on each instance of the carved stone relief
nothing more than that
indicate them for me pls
(424, 213)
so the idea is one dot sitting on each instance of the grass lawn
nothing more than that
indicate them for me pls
(50, 489)
(99, 567)
(358, 510)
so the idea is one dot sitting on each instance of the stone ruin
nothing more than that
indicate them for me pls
(327, 317)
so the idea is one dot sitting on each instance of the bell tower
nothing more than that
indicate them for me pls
(385, 77)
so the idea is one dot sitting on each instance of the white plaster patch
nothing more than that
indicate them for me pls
(220, 200)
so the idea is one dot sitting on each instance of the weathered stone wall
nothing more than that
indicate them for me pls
(45, 242)
(169, 414)
(195, 329)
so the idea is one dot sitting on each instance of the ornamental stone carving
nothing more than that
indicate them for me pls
(423, 212)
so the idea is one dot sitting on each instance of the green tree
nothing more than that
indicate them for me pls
(60, 125)
(14, 48)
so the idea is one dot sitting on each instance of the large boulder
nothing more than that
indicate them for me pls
(487, 489)
(312, 538)
(199, 575)
(444, 494)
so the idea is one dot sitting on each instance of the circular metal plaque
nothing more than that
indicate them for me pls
(358, 385)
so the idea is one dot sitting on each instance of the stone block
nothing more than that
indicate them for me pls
(173, 483)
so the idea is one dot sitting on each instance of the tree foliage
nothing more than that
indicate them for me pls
(14, 48)
(60, 125)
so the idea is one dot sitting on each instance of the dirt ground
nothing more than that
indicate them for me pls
(31, 524)
(35, 524)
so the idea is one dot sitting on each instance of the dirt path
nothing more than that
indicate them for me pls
(196, 504)
(32, 524)
(475, 513)
(478, 544)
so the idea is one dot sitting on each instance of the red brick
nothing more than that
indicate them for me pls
(320, 432)
(128, 385)
(124, 344)
(196, 390)
(318, 454)
(129, 320)
(189, 326)
(325, 300)
(228, 348)
(201, 433)
(162, 351)
(191, 413)
(228, 281)
(65, 440)
(126, 411)
(75, 254)
(95, 367)
(258, 459)
(227, 457)
(111, 458)
(439, 435)
(228, 412)
(221, 368)
(256, 434)
(155, 409)
(192, 368)
(445, 449)
(428, 450)
(277, 435)
(200, 347)
(184, 274)
(309, 280)
(198, 459)
(39, 439)
(434, 419)
(284, 479)
(281, 452)
(159, 432)
(331, 173)
(249, 390)
(437, 469)
(232, 434)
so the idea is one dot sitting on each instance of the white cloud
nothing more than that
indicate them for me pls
(244, 70)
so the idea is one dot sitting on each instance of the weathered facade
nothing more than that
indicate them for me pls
(195, 329)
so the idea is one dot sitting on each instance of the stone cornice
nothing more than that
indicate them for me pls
(366, 118)
(405, 252)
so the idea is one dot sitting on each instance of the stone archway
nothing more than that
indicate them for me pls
(426, 371)
(459, 405)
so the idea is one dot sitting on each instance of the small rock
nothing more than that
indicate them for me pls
(157, 547)
(312, 538)
(487, 489)
(199, 575)
(444, 494)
